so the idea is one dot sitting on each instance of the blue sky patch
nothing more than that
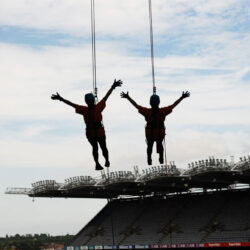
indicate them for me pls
(37, 37)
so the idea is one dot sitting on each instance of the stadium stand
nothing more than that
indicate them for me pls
(206, 204)
(219, 216)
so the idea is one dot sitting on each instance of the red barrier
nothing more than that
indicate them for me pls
(216, 244)
(228, 244)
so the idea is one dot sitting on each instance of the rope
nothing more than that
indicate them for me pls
(152, 62)
(152, 45)
(92, 2)
(112, 223)
(95, 92)
(108, 175)
(153, 80)
(111, 212)
(165, 152)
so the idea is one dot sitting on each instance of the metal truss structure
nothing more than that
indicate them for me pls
(205, 174)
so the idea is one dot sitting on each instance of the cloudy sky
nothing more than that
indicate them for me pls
(45, 46)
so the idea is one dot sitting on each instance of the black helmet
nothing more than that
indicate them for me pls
(89, 98)
(154, 100)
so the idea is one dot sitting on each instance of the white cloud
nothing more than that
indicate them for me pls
(114, 17)
(189, 145)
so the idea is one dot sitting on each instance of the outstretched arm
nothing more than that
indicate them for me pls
(184, 95)
(126, 96)
(58, 97)
(114, 85)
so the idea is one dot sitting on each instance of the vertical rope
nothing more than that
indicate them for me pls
(111, 213)
(92, 2)
(95, 93)
(166, 163)
(152, 62)
(152, 45)
(112, 223)
(165, 152)
(108, 175)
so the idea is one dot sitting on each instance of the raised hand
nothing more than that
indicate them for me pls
(185, 94)
(56, 97)
(124, 95)
(117, 84)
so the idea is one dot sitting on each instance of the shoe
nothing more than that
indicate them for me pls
(161, 160)
(149, 161)
(98, 167)
(107, 164)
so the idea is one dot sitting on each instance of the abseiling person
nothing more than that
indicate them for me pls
(92, 115)
(155, 117)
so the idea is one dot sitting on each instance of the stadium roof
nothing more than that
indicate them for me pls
(210, 173)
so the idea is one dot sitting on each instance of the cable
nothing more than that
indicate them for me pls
(165, 152)
(92, 2)
(152, 61)
(152, 45)
(111, 212)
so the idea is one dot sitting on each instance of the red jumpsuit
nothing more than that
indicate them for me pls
(155, 129)
(93, 119)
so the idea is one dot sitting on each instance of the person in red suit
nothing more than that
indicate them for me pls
(92, 115)
(155, 117)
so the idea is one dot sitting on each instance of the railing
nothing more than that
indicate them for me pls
(243, 164)
(44, 186)
(208, 165)
(79, 181)
(25, 191)
(159, 171)
(117, 176)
